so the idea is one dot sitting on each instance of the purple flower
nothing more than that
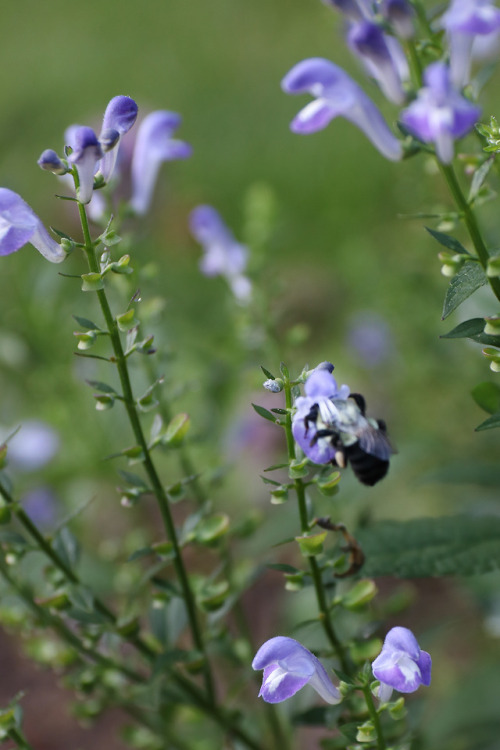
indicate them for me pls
(50, 161)
(401, 665)
(20, 225)
(119, 117)
(288, 666)
(154, 145)
(33, 446)
(464, 21)
(354, 10)
(336, 94)
(400, 15)
(440, 114)
(320, 388)
(224, 256)
(383, 57)
(86, 155)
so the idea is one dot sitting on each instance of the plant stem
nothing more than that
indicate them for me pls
(374, 717)
(324, 613)
(135, 423)
(470, 221)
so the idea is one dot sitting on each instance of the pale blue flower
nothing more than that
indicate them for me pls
(401, 665)
(440, 114)
(86, 155)
(119, 116)
(288, 666)
(153, 146)
(337, 95)
(465, 21)
(20, 225)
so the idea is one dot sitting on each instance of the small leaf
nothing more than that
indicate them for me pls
(267, 373)
(85, 323)
(283, 568)
(264, 413)
(465, 330)
(490, 423)
(479, 177)
(92, 282)
(470, 278)
(100, 386)
(67, 547)
(127, 320)
(177, 429)
(447, 241)
(487, 396)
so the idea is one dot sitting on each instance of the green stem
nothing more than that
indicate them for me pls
(300, 490)
(135, 423)
(18, 737)
(374, 717)
(44, 546)
(470, 222)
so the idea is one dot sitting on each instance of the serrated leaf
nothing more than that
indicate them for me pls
(490, 423)
(264, 413)
(448, 241)
(487, 396)
(470, 278)
(450, 545)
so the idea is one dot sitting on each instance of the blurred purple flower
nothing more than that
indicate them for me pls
(154, 145)
(20, 225)
(224, 256)
(33, 446)
(464, 21)
(440, 114)
(288, 666)
(401, 665)
(383, 57)
(353, 10)
(400, 15)
(41, 506)
(320, 388)
(370, 337)
(337, 95)
(86, 155)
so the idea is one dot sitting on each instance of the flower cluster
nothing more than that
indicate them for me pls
(289, 666)
(439, 114)
(91, 161)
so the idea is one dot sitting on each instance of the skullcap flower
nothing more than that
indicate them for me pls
(154, 144)
(401, 665)
(337, 95)
(464, 21)
(119, 116)
(288, 666)
(439, 114)
(382, 56)
(86, 155)
(320, 388)
(20, 225)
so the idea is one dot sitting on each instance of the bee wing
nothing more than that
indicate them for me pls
(375, 442)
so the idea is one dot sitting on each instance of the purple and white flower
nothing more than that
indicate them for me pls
(153, 146)
(86, 155)
(20, 225)
(224, 256)
(401, 665)
(400, 15)
(320, 388)
(440, 114)
(288, 666)
(382, 56)
(119, 116)
(337, 95)
(466, 21)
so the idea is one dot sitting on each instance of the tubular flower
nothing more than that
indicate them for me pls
(154, 145)
(20, 225)
(224, 256)
(288, 666)
(382, 56)
(401, 665)
(464, 22)
(336, 94)
(440, 114)
(320, 388)
(400, 15)
(119, 117)
(86, 155)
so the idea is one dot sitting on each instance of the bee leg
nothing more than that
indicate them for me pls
(311, 417)
(320, 434)
(382, 425)
(360, 402)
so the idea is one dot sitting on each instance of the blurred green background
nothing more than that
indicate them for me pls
(340, 256)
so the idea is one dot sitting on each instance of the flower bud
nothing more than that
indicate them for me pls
(50, 161)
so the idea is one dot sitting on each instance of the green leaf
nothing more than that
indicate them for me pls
(92, 282)
(487, 396)
(479, 177)
(490, 423)
(470, 278)
(423, 547)
(465, 330)
(283, 568)
(447, 241)
(67, 547)
(267, 373)
(100, 386)
(86, 323)
(264, 413)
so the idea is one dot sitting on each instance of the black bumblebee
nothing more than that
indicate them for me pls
(358, 440)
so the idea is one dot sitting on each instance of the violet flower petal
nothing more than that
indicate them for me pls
(19, 225)
(86, 156)
(154, 145)
(402, 664)
(288, 666)
(464, 21)
(382, 57)
(120, 115)
(337, 95)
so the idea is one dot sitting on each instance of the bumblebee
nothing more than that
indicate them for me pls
(357, 439)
